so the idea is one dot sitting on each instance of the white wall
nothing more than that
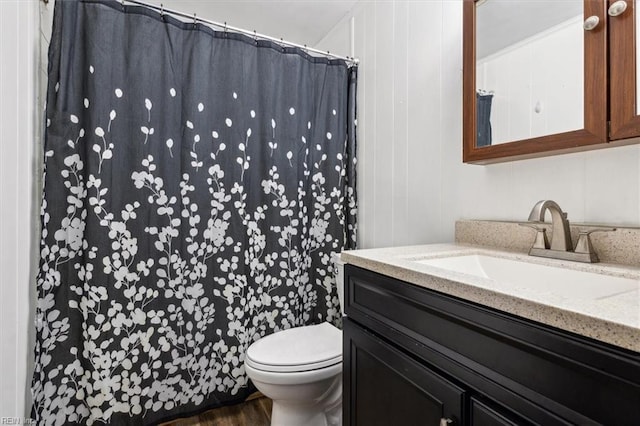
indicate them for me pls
(18, 70)
(405, 78)
(413, 184)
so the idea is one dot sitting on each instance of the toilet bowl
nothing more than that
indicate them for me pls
(300, 369)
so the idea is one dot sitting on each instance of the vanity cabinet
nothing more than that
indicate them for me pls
(482, 414)
(416, 356)
(389, 387)
(534, 98)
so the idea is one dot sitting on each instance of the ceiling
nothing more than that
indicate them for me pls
(501, 23)
(298, 21)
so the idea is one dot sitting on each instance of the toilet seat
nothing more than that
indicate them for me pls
(297, 349)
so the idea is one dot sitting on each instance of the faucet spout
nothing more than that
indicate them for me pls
(561, 238)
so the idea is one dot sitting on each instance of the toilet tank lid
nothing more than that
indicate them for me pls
(298, 346)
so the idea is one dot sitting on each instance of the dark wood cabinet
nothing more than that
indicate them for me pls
(415, 356)
(485, 415)
(388, 387)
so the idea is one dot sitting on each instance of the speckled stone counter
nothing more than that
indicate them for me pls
(621, 246)
(614, 319)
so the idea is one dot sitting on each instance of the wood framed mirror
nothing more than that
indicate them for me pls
(552, 98)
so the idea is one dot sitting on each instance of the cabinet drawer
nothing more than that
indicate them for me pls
(550, 376)
(486, 415)
(383, 386)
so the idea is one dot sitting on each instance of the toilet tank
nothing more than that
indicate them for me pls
(339, 274)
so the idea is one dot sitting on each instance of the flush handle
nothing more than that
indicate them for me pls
(591, 23)
(617, 8)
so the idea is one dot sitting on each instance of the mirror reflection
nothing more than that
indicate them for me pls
(529, 69)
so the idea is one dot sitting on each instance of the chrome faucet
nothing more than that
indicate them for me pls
(561, 246)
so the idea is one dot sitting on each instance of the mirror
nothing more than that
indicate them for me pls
(637, 57)
(529, 69)
(534, 78)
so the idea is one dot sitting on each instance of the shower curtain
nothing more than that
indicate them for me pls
(483, 118)
(197, 183)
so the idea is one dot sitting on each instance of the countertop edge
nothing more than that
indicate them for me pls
(601, 329)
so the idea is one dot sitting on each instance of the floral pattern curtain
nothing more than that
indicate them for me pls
(483, 118)
(197, 183)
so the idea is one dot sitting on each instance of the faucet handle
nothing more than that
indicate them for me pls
(593, 229)
(584, 241)
(541, 241)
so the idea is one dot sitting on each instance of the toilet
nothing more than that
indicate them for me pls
(300, 369)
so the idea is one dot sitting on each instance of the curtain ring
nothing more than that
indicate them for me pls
(255, 36)
(282, 44)
(195, 19)
(161, 9)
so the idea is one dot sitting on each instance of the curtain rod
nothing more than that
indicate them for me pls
(254, 34)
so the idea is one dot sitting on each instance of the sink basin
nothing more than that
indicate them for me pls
(548, 279)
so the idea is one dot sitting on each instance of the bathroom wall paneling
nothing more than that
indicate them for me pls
(599, 186)
(18, 68)
(402, 115)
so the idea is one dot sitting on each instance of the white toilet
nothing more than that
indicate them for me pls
(300, 369)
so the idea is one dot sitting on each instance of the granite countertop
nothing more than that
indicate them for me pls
(614, 319)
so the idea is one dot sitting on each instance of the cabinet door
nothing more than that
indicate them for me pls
(486, 415)
(624, 42)
(384, 386)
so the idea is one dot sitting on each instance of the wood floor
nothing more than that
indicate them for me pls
(254, 412)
